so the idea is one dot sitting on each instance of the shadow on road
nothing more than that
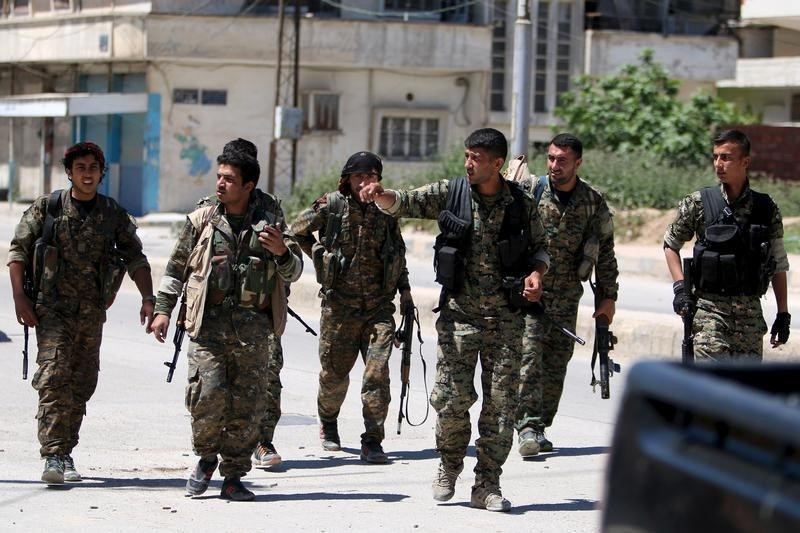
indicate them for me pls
(106, 483)
(570, 505)
(569, 452)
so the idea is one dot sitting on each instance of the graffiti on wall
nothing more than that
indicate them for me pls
(194, 153)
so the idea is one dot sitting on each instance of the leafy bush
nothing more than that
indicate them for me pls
(639, 109)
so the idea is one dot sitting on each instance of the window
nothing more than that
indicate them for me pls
(413, 138)
(20, 7)
(197, 96)
(795, 107)
(185, 96)
(563, 50)
(499, 41)
(213, 97)
(320, 111)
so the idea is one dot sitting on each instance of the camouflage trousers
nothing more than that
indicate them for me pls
(545, 355)
(227, 385)
(729, 328)
(343, 335)
(497, 343)
(68, 338)
(272, 407)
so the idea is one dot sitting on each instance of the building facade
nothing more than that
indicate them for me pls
(162, 85)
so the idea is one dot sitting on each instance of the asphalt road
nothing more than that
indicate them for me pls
(135, 452)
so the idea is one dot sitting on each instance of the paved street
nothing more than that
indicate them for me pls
(135, 453)
(135, 449)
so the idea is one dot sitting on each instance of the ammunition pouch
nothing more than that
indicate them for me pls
(448, 261)
(327, 266)
(112, 275)
(46, 261)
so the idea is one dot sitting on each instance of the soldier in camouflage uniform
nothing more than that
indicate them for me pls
(360, 263)
(234, 260)
(477, 322)
(92, 237)
(731, 325)
(580, 235)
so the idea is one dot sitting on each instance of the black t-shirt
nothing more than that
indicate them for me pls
(84, 207)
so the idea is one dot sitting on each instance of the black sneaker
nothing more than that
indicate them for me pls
(329, 436)
(53, 470)
(232, 489)
(197, 483)
(544, 444)
(372, 452)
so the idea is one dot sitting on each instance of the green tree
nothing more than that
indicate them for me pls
(639, 109)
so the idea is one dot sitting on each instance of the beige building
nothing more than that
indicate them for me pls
(767, 78)
(162, 85)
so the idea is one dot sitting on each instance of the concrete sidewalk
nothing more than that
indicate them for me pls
(640, 334)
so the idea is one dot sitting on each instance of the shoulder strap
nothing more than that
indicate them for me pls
(457, 214)
(514, 220)
(541, 183)
(53, 211)
(713, 204)
(333, 225)
(763, 208)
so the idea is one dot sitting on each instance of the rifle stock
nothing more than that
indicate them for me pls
(177, 339)
(687, 345)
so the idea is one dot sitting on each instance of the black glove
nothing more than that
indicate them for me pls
(780, 328)
(680, 301)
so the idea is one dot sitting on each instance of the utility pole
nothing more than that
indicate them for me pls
(521, 86)
(283, 147)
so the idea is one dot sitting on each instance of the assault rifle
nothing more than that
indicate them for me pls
(177, 339)
(29, 288)
(604, 341)
(404, 336)
(515, 286)
(689, 308)
(297, 317)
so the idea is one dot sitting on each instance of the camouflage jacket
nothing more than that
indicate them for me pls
(482, 295)
(243, 272)
(83, 251)
(365, 265)
(585, 218)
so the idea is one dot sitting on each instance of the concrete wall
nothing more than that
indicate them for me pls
(71, 39)
(685, 57)
(772, 105)
(757, 9)
(323, 42)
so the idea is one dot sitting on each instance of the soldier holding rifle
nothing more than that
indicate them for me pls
(738, 253)
(580, 237)
(233, 260)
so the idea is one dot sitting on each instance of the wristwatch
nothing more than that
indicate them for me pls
(151, 299)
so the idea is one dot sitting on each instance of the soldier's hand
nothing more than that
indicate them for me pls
(23, 307)
(680, 302)
(370, 191)
(606, 307)
(406, 302)
(532, 290)
(146, 315)
(780, 329)
(272, 239)
(159, 326)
